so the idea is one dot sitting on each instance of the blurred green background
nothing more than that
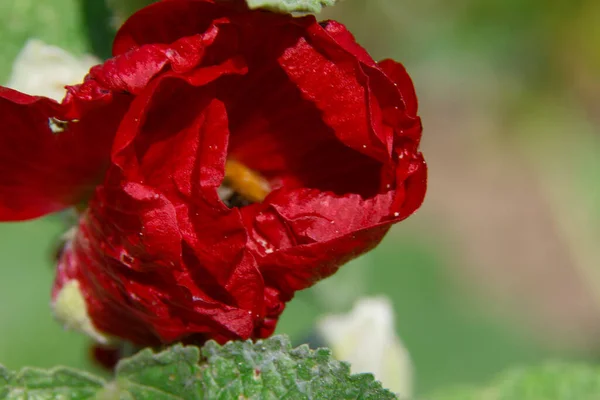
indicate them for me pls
(499, 267)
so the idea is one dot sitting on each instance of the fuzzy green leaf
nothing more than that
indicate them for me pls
(57, 383)
(267, 369)
(290, 6)
(549, 382)
(271, 369)
(171, 374)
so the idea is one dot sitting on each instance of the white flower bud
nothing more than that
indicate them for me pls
(366, 338)
(44, 70)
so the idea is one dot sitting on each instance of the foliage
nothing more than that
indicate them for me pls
(554, 381)
(267, 369)
(289, 6)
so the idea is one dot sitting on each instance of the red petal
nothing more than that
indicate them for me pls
(277, 132)
(165, 22)
(397, 73)
(342, 99)
(42, 171)
(156, 266)
(133, 70)
(304, 235)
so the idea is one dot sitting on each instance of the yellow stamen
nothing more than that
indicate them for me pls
(251, 185)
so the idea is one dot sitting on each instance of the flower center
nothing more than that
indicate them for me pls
(242, 186)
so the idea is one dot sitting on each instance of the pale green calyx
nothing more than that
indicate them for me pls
(290, 6)
(70, 309)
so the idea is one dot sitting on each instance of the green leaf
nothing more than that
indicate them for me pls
(290, 6)
(171, 374)
(57, 383)
(555, 381)
(267, 369)
(271, 369)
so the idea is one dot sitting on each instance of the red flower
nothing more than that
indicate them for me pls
(227, 157)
